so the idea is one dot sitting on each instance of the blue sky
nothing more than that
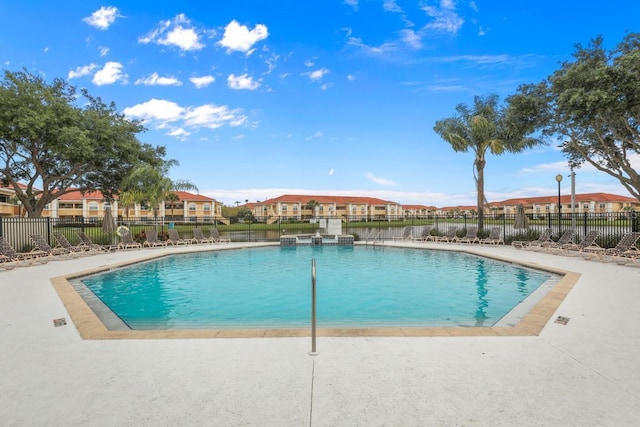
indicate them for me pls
(260, 98)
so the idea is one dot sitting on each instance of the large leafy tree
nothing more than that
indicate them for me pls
(55, 139)
(592, 105)
(485, 127)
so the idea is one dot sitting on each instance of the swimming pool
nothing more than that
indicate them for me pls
(356, 287)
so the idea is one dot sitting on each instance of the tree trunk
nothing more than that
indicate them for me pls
(480, 163)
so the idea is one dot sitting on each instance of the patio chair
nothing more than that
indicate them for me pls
(406, 234)
(425, 234)
(87, 242)
(217, 238)
(449, 236)
(7, 263)
(494, 237)
(565, 239)
(21, 258)
(41, 245)
(545, 237)
(623, 251)
(151, 239)
(175, 239)
(127, 242)
(63, 242)
(589, 240)
(470, 237)
(199, 237)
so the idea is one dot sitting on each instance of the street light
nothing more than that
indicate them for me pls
(559, 179)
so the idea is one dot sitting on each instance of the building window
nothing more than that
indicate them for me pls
(192, 207)
(363, 210)
(93, 206)
(602, 206)
(206, 207)
(353, 210)
(547, 207)
(284, 209)
(295, 208)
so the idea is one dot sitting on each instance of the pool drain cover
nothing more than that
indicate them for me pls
(59, 322)
(562, 320)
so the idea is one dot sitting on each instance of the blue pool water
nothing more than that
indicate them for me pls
(356, 287)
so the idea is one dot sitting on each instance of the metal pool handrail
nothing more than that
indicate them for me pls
(313, 351)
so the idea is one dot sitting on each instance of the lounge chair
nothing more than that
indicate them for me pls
(88, 243)
(565, 239)
(199, 237)
(624, 250)
(589, 240)
(41, 245)
(151, 239)
(7, 263)
(406, 234)
(425, 234)
(470, 237)
(494, 237)
(21, 258)
(64, 243)
(175, 239)
(216, 237)
(127, 242)
(449, 236)
(545, 237)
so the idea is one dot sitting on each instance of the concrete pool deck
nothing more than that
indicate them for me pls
(585, 372)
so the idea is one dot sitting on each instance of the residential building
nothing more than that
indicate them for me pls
(296, 206)
(417, 211)
(592, 203)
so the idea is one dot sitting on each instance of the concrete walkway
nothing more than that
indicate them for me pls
(584, 373)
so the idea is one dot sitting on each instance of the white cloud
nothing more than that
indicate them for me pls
(177, 32)
(352, 3)
(351, 77)
(213, 116)
(104, 51)
(444, 17)
(182, 121)
(239, 38)
(410, 38)
(242, 82)
(156, 109)
(81, 71)
(380, 50)
(391, 6)
(377, 180)
(314, 136)
(309, 63)
(109, 74)
(155, 80)
(317, 74)
(202, 81)
(331, 172)
(179, 133)
(103, 17)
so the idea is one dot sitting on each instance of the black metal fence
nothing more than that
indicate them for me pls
(612, 226)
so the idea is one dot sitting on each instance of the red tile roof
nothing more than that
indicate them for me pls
(304, 199)
(97, 195)
(566, 199)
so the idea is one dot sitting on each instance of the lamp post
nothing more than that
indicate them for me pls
(559, 179)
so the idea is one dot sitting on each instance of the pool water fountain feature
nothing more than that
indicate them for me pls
(317, 240)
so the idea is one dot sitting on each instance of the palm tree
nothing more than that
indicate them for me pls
(484, 127)
(150, 185)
